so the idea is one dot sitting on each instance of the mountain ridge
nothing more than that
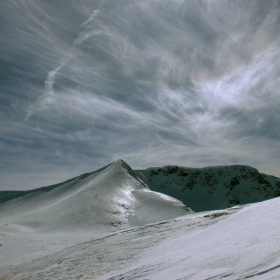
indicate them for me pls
(8, 195)
(207, 188)
(108, 199)
(114, 199)
(214, 187)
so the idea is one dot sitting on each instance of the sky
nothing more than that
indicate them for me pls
(169, 82)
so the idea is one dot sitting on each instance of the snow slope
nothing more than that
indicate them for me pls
(88, 206)
(112, 197)
(211, 188)
(236, 243)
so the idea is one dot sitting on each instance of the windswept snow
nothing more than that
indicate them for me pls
(236, 243)
(108, 198)
(79, 209)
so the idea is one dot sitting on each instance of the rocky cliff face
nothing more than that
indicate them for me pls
(211, 187)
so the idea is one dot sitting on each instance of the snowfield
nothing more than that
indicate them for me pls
(237, 243)
(108, 225)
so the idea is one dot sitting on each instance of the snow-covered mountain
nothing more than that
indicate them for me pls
(110, 198)
(211, 188)
(38, 222)
(109, 225)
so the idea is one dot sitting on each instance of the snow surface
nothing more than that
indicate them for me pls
(78, 210)
(236, 243)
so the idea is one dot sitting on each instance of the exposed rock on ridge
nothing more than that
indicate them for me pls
(211, 188)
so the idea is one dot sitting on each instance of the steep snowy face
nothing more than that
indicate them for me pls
(211, 188)
(109, 199)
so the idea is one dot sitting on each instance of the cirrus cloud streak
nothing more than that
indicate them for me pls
(192, 83)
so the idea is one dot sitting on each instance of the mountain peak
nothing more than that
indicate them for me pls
(124, 165)
(121, 161)
(106, 200)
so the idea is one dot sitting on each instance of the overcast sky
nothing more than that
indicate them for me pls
(85, 82)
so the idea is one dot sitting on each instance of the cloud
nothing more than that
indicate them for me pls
(84, 83)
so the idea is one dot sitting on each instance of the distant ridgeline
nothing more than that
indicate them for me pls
(202, 189)
(6, 196)
(211, 187)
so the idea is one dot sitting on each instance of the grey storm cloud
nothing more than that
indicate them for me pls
(85, 82)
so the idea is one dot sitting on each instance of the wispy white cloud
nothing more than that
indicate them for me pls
(84, 83)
